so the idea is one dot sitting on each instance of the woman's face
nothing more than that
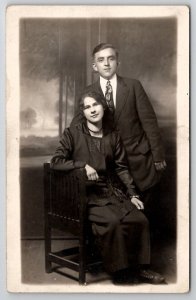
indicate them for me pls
(93, 111)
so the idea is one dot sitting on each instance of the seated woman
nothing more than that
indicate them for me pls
(114, 208)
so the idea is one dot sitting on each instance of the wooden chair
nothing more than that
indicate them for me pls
(65, 209)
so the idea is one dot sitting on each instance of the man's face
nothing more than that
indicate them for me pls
(105, 63)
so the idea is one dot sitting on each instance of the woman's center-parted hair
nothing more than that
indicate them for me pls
(98, 98)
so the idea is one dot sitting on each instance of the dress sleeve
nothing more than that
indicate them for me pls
(62, 159)
(121, 165)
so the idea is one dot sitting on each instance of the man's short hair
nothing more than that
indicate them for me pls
(103, 46)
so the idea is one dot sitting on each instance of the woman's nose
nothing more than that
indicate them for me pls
(93, 110)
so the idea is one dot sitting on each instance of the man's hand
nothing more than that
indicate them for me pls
(91, 173)
(160, 165)
(137, 202)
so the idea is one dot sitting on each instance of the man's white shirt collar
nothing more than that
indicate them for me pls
(113, 82)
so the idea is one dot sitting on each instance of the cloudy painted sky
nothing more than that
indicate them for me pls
(147, 52)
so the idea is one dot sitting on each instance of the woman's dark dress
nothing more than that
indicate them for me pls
(119, 227)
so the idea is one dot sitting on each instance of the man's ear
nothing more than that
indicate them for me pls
(94, 66)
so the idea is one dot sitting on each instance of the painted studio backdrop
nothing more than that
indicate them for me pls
(55, 66)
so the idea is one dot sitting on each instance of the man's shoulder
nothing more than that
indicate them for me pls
(128, 80)
(91, 86)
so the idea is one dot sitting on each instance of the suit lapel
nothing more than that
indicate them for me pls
(121, 96)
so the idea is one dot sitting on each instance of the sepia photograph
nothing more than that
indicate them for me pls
(97, 149)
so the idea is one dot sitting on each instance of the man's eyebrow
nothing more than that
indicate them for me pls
(102, 57)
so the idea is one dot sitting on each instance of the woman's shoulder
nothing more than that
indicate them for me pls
(71, 134)
(78, 127)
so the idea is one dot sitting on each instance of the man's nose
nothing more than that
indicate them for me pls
(106, 62)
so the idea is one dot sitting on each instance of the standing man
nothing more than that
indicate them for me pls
(130, 111)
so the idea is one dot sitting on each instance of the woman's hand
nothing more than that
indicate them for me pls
(137, 202)
(91, 173)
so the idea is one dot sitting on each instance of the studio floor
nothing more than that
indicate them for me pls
(33, 264)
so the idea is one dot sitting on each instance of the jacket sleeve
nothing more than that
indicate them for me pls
(121, 165)
(149, 122)
(62, 159)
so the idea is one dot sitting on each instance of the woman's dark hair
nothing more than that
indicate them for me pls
(98, 97)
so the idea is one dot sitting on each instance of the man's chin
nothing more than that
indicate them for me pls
(107, 77)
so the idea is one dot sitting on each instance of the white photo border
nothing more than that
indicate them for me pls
(14, 13)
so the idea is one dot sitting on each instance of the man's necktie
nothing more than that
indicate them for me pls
(109, 96)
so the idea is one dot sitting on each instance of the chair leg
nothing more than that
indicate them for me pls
(48, 264)
(82, 278)
(82, 264)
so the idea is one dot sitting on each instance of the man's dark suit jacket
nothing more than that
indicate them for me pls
(136, 120)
